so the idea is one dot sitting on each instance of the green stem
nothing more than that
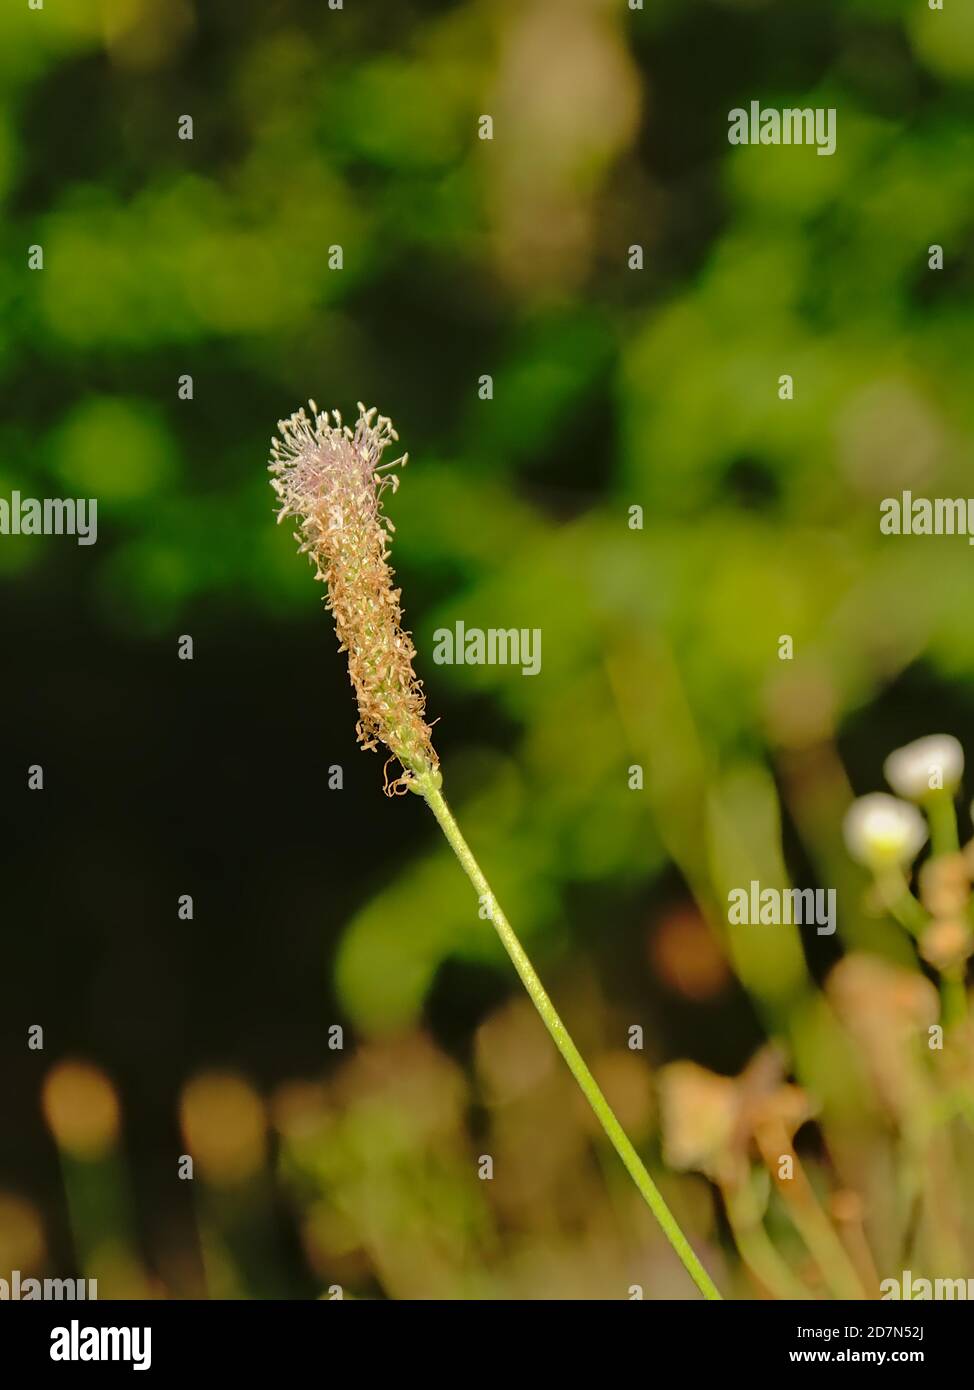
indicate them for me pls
(953, 994)
(900, 902)
(426, 786)
(811, 1222)
(757, 1250)
(942, 815)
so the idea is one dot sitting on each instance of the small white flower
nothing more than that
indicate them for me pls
(881, 831)
(928, 765)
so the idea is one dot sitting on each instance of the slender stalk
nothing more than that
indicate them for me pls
(895, 892)
(426, 786)
(953, 995)
(811, 1222)
(942, 814)
(755, 1246)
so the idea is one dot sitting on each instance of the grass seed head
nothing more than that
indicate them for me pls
(331, 479)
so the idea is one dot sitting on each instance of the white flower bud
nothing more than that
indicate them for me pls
(927, 766)
(881, 831)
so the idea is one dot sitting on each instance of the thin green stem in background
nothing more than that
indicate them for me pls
(757, 1250)
(942, 815)
(953, 995)
(899, 901)
(426, 785)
